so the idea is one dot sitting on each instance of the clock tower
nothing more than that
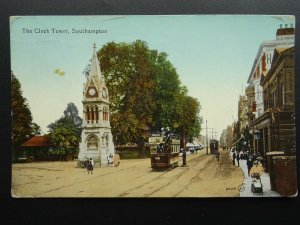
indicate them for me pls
(96, 137)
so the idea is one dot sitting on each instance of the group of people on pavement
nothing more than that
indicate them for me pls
(253, 161)
(112, 160)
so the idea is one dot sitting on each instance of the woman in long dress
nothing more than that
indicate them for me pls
(116, 160)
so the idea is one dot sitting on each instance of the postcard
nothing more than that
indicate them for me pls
(153, 106)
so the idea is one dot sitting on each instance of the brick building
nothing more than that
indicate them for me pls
(276, 125)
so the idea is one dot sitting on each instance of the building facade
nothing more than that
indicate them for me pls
(243, 113)
(96, 136)
(285, 38)
(276, 127)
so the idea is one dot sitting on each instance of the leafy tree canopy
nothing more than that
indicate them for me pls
(22, 126)
(145, 93)
(65, 132)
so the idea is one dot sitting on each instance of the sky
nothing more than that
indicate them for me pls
(213, 55)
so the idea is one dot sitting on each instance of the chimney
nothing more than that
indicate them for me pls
(286, 26)
(280, 26)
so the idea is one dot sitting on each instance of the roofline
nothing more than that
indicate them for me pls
(278, 60)
(263, 44)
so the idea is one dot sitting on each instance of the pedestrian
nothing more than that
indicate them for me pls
(116, 159)
(238, 158)
(233, 158)
(257, 169)
(90, 166)
(249, 163)
(218, 156)
(110, 159)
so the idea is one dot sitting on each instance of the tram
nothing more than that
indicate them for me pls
(213, 146)
(164, 151)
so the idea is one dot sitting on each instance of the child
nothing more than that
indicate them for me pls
(90, 166)
(218, 156)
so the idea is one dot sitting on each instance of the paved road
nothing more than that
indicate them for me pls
(203, 177)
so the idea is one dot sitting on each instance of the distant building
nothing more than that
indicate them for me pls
(37, 141)
(243, 113)
(37, 148)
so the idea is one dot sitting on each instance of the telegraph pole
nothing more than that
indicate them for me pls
(207, 136)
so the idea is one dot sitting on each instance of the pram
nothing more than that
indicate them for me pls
(256, 186)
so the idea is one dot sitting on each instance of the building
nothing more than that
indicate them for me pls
(276, 126)
(36, 148)
(285, 38)
(39, 148)
(251, 103)
(96, 136)
(243, 113)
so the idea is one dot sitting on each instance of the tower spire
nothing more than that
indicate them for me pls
(95, 67)
(94, 47)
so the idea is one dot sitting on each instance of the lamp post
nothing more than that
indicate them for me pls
(184, 149)
(257, 137)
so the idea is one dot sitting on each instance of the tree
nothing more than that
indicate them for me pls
(166, 89)
(72, 112)
(127, 70)
(144, 91)
(64, 133)
(22, 126)
(188, 121)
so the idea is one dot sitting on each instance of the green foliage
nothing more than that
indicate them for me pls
(127, 70)
(22, 126)
(166, 89)
(65, 132)
(145, 93)
(71, 112)
(187, 110)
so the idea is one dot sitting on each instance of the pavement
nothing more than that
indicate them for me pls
(265, 179)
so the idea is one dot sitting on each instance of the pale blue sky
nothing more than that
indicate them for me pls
(213, 56)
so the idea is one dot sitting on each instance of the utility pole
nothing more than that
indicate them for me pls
(216, 134)
(213, 133)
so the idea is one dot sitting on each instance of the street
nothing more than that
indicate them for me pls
(203, 177)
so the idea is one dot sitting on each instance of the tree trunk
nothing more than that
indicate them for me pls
(142, 149)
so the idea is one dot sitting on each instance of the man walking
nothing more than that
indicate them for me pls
(90, 166)
(218, 156)
(238, 158)
(233, 158)
(249, 163)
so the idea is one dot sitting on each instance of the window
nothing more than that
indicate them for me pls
(87, 114)
(106, 140)
(105, 113)
(282, 95)
(91, 114)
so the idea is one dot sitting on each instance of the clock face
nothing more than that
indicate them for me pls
(92, 91)
(104, 93)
